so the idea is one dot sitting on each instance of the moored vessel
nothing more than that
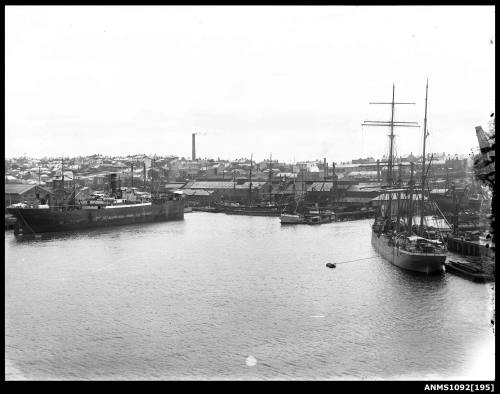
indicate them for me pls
(292, 218)
(253, 210)
(252, 207)
(34, 220)
(98, 211)
(394, 237)
(409, 252)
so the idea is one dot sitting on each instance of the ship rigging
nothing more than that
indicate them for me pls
(417, 249)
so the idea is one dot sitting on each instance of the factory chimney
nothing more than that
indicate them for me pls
(193, 146)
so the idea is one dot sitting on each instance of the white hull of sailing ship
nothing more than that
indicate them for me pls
(421, 262)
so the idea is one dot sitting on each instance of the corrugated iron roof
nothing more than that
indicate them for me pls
(363, 187)
(197, 192)
(174, 185)
(222, 185)
(362, 173)
(320, 186)
(385, 197)
(361, 200)
(11, 188)
(211, 185)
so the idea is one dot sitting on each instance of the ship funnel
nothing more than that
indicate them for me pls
(113, 184)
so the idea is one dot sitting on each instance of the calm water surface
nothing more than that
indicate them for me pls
(198, 299)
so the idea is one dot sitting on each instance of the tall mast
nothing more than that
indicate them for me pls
(390, 180)
(391, 136)
(270, 176)
(399, 199)
(152, 175)
(250, 183)
(132, 174)
(391, 124)
(410, 201)
(455, 210)
(423, 160)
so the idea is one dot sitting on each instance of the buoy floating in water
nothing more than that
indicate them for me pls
(330, 265)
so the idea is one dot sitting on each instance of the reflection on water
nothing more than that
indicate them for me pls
(230, 297)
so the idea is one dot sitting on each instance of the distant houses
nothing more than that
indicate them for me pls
(203, 181)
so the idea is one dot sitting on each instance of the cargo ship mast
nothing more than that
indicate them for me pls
(423, 162)
(391, 136)
(270, 177)
(250, 182)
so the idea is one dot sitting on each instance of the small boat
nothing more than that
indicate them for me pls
(308, 217)
(331, 265)
(290, 218)
(313, 219)
(319, 217)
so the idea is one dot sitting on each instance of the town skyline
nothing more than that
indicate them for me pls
(81, 80)
(128, 157)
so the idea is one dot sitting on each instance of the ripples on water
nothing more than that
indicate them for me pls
(232, 297)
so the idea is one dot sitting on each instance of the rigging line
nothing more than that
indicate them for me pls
(441, 213)
(350, 261)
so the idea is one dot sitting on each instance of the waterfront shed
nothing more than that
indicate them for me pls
(32, 194)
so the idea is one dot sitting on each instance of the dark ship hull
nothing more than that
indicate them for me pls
(31, 221)
(418, 262)
(251, 211)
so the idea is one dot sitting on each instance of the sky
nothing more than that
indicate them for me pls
(294, 82)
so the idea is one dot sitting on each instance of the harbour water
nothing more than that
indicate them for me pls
(235, 297)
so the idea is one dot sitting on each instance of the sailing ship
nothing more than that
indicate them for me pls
(98, 211)
(267, 208)
(416, 248)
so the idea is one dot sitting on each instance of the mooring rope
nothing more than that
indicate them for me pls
(350, 261)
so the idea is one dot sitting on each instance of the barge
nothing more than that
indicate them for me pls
(468, 271)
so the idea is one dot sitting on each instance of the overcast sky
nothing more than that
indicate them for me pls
(292, 81)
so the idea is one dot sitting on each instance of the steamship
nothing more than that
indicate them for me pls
(99, 211)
